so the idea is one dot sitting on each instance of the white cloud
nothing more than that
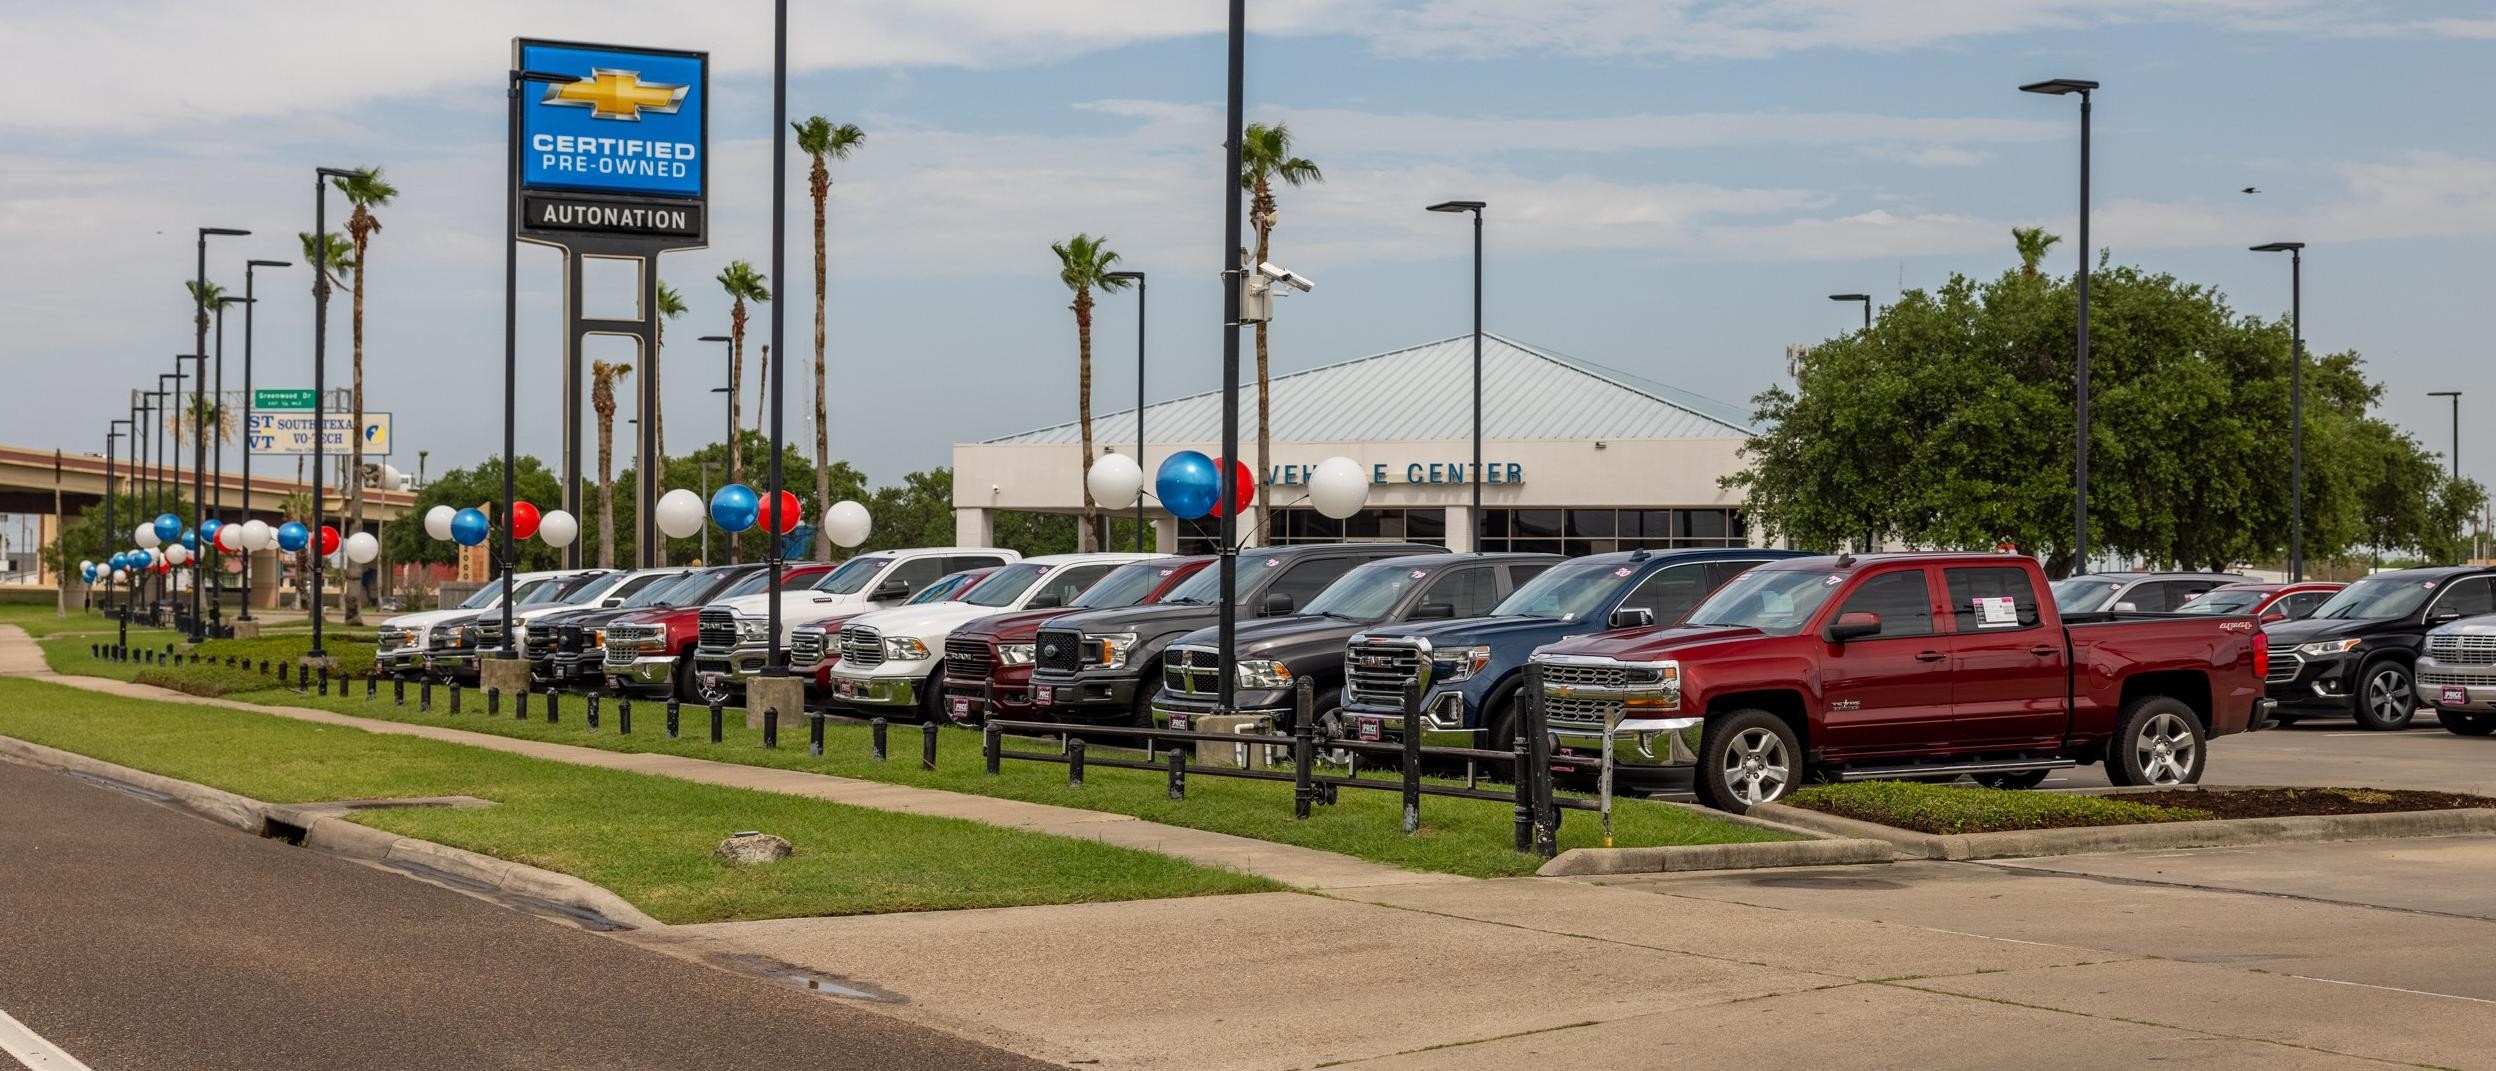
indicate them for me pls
(1436, 135)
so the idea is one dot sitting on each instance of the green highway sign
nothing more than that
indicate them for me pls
(281, 399)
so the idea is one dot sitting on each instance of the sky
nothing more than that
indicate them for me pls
(1674, 187)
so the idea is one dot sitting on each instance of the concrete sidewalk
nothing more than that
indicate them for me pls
(1306, 868)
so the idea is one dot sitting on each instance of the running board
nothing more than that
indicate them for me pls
(1876, 773)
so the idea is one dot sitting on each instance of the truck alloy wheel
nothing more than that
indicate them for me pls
(2387, 700)
(2157, 742)
(1747, 758)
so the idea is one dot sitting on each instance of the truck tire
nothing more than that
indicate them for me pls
(2387, 695)
(686, 689)
(2466, 723)
(1140, 708)
(2016, 779)
(932, 698)
(1747, 758)
(2157, 741)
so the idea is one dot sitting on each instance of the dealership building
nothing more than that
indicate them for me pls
(1577, 458)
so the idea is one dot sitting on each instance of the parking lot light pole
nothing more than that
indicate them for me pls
(2080, 374)
(112, 433)
(199, 487)
(1137, 278)
(1866, 299)
(1226, 631)
(1473, 535)
(2453, 458)
(2296, 401)
(728, 419)
(250, 303)
(168, 472)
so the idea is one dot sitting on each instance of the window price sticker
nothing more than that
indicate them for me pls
(1997, 611)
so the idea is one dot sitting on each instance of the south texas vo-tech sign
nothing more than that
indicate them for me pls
(621, 151)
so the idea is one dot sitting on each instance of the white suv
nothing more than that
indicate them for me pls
(894, 660)
(729, 645)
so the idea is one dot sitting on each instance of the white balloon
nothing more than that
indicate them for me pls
(155, 557)
(145, 533)
(680, 514)
(847, 524)
(257, 535)
(1339, 487)
(85, 564)
(558, 528)
(121, 576)
(177, 554)
(1115, 481)
(361, 547)
(438, 521)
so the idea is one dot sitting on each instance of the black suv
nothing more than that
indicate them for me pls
(1276, 654)
(1102, 666)
(2357, 654)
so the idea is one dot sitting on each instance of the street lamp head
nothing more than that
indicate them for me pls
(205, 231)
(2443, 394)
(268, 263)
(549, 77)
(716, 338)
(1850, 297)
(337, 172)
(1130, 276)
(2277, 247)
(2055, 87)
(1459, 206)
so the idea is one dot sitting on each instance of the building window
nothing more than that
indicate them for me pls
(1301, 524)
(1598, 531)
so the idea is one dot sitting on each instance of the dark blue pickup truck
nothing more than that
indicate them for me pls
(1470, 668)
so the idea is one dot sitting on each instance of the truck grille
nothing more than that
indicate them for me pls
(2284, 663)
(1374, 673)
(1555, 673)
(718, 630)
(968, 659)
(862, 647)
(806, 647)
(2463, 648)
(391, 639)
(1192, 671)
(489, 634)
(1579, 712)
(1057, 651)
(2439, 676)
(627, 642)
(538, 642)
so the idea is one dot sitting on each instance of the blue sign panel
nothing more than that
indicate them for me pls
(634, 123)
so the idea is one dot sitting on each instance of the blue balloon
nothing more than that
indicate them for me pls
(292, 536)
(208, 530)
(1188, 485)
(168, 527)
(469, 527)
(114, 561)
(190, 540)
(736, 507)
(87, 572)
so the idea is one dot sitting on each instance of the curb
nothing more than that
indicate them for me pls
(324, 831)
(2220, 833)
(1591, 862)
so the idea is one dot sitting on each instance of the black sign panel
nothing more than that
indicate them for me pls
(665, 219)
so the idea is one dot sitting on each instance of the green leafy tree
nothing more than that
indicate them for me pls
(1084, 265)
(823, 141)
(477, 487)
(365, 190)
(1264, 159)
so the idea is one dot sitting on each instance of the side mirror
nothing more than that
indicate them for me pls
(889, 591)
(2273, 616)
(1276, 605)
(1853, 626)
(2441, 616)
(611, 602)
(1045, 600)
(2127, 608)
(1641, 617)
(1435, 611)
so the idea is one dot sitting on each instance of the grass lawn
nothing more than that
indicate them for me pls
(40, 621)
(647, 838)
(1950, 809)
(1469, 837)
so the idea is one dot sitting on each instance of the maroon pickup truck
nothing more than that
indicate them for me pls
(1899, 666)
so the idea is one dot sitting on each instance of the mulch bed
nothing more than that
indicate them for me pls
(2280, 802)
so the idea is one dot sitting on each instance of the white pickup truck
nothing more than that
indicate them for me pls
(403, 642)
(894, 660)
(729, 646)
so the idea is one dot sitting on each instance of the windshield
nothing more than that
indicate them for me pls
(2224, 601)
(656, 593)
(1206, 585)
(1369, 593)
(1126, 585)
(851, 578)
(2376, 598)
(756, 581)
(1568, 591)
(1779, 602)
(594, 590)
(1006, 585)
(485, 596)
(551, 591)
(945, 588)
(2084, 594)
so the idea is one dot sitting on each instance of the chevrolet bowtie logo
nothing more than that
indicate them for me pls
(612, 94)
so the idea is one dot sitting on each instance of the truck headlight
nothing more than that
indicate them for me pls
(1457, 664)
(1651, 687)
(905, 648)
(1108, 650)
(1262, 673)
(2328, 647)
(597, 637)
(1014, 654)
(750, 628)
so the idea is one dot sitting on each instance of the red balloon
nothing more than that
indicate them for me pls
(782, 513)
(329, 540)
(1244, 490)
(524, 519)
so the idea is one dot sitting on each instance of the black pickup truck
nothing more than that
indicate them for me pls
(1276, 654)
(1102, 666)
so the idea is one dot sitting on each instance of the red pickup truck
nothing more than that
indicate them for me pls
(1899, 666)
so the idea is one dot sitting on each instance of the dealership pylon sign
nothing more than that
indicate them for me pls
(614, 166)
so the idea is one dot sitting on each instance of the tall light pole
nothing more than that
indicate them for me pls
(2453, 458)
(113, 433)
(320, 391)
(1866, 299)
(1473, 536)
(208, 547)
(250, 304)
(1137, 277)
(728, 419)
(2080, 376)
(168, 475)
(1234, 276)
(512, 81)
(199, 487)
(775, 662)
(2296, 401)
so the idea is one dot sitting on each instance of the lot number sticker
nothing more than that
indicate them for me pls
(1996, 611)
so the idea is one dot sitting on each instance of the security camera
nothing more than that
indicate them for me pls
(1284, 276)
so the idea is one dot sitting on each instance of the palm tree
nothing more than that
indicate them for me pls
(1084, 264)
(2032, 243)
(671, 306)
(208, 297)
(743, 284)
(335, 255)
(602, 377)
(1265, 156)
(366, 190)
(762, 388)
(824, 142)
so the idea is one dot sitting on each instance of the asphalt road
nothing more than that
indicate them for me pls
(135, 937)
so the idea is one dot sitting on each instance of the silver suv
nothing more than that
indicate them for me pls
(2457, 673)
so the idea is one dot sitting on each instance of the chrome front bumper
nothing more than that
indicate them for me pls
(878, 691)
(2474, 686)
(649, 671)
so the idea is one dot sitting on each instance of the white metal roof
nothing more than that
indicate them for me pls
(1425, 392)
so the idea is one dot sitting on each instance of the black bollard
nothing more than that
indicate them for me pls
(494, 702)
(424, 696)
(398, 691)
(771, 727)
(1074, 762)
(927, 745)
(281, 673)
(554, 706)
(324, 674)
(264, 669)
(1525, 762)
(1303, 750)
(624, 715)
(454, 697)
(372, 688)
(520, 704)
(992, 746)
(716, 713)
(875, 736)
(671, 717)
(591, 712)
(1412, 756)
(814, 734)
(1178, 774)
